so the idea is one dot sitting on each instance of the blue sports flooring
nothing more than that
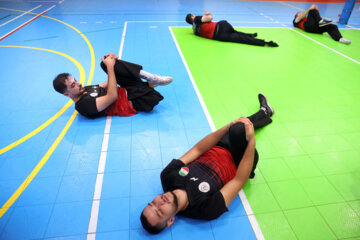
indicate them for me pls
(59, 161)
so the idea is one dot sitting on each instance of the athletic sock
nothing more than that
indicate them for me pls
(146, 75)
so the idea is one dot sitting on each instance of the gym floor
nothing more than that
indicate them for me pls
(63, 176)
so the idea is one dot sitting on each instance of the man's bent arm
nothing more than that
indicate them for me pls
(111, 92)
(207, 17)
(204, 145)
(303, 15)
(232, 188)
(207, 143)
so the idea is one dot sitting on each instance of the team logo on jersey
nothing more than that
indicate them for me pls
(204, 187)
(94, 94)
(184, 171)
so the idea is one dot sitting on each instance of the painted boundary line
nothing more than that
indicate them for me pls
(25, 23)
(325, 46)
(47, 155)
(20, 15)
(37, 130)
(207, 114)
(94, 216)
(292, 6)
(38, 167)
(254, 224)
(292, 29)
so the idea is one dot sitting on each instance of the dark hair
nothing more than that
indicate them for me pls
(188, 19)
(148, 227)
(59, 82)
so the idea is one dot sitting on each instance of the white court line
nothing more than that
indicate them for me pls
(250, 214)
(318, 41)
(325, 46)
(20, 15)
(351, 27)
(289, 5)
(208, 117)
(300, 9)
(94, 216)
(27, 22)
(254, 224)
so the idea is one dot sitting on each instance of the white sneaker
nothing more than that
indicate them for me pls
(324, 22)
(160, 80)
(345, 41)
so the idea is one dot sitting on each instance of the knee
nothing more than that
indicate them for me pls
(333, 26)
(238, 129)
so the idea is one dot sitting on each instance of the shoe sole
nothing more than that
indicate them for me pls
(163, 84)
(325, 24)
(266, 101)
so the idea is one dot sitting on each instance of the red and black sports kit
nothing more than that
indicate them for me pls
(132, 88)
(223, 31)
(203, 178)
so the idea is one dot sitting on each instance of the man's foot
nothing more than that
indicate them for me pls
(254, 35)
(324, 22)
(265, 106)
(160, 80)
(271, 44)
(345, 41)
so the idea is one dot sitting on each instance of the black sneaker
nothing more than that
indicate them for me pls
(265, 106)
(271, 44)
(324, 22)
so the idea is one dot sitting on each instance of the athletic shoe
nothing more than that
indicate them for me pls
(324, 22)
(265, 106)
(160, 80)
(271, 44)
(345, 41)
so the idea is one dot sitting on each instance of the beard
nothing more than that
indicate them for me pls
(81, 91)
(175, 199)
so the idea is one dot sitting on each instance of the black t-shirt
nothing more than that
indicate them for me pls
(202, 186)
(86, 105)
(295, 23)
(197, 25)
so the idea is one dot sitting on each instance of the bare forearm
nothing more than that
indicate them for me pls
(246, 163)
(207, 17)
(232, 188)
(204, 145)
(212, 139)
(111, 83)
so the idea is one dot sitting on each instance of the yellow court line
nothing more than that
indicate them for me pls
(92, 67)
(62, 110)
(38, 167)
(37, 130)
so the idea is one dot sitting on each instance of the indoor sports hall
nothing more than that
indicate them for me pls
(63, 176)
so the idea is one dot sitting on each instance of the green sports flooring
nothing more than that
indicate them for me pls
(307, 183)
